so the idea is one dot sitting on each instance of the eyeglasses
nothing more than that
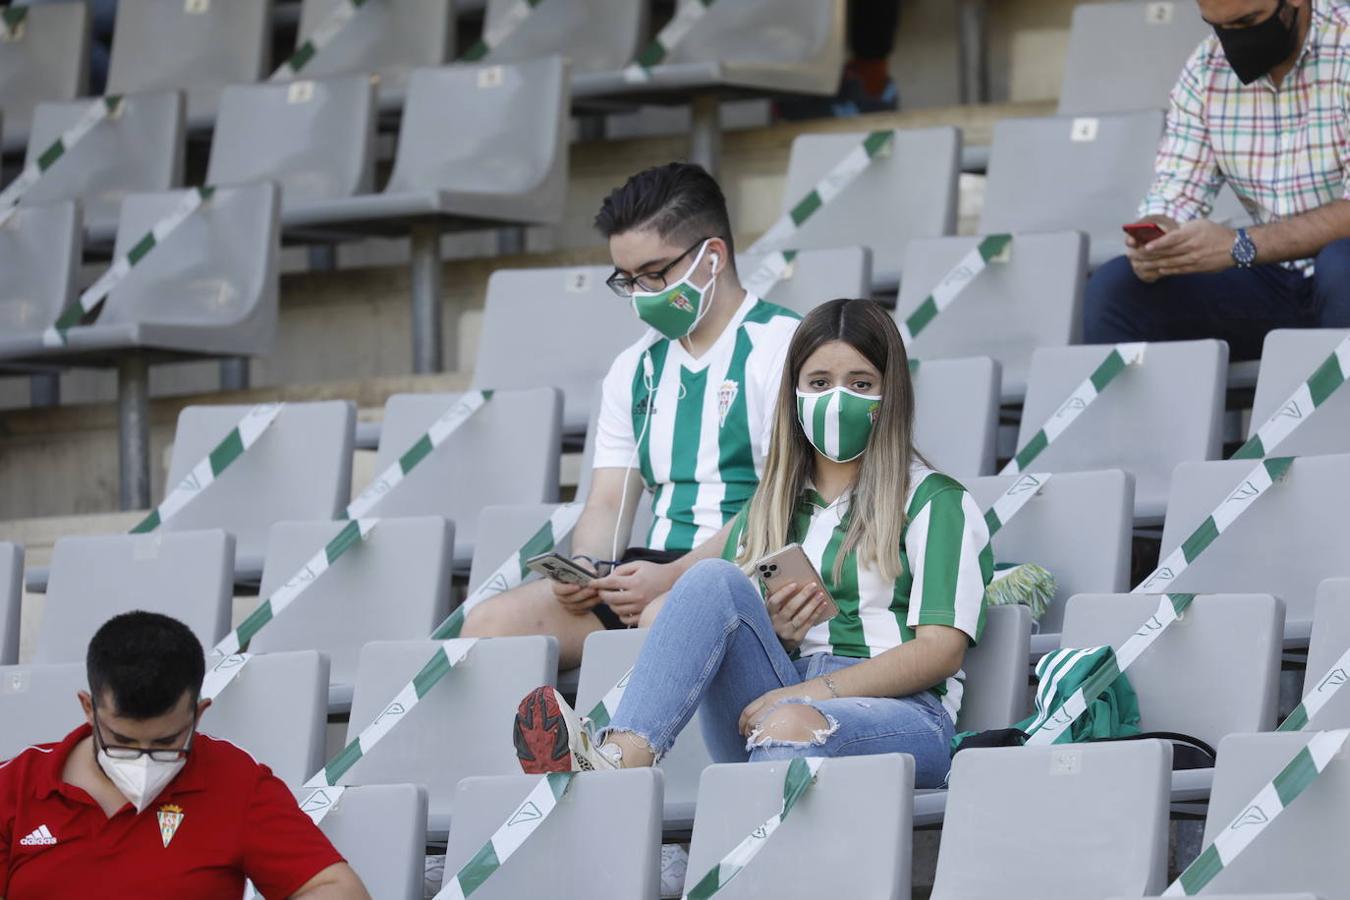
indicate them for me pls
(158, 754)
(623, 285)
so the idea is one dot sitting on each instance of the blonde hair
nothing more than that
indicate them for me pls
(876, 514)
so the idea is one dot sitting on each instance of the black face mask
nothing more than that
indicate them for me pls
(1255, 50)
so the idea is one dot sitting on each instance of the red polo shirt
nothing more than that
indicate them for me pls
(223, 818)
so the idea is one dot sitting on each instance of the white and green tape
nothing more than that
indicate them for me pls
(321, 37)
(677, 29)
(99, 110)
(991, 249)
(602, 713)
(1325, 380)
(502, 28)
(776, 267)
(1319, 696)
(1010, 503)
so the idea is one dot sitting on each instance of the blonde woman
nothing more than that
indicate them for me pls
(902, 550)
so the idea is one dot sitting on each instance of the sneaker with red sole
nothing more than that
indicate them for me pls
(550, 737)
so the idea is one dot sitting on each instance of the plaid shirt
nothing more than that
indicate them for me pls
(1284, 152)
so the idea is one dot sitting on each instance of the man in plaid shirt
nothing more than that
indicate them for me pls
(1264, 105)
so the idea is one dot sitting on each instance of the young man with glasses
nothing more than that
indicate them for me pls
(137, 803)
(686, 412)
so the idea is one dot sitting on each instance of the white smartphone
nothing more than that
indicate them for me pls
(559, 568)
(791, 565)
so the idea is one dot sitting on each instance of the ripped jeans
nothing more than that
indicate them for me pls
(713, 647)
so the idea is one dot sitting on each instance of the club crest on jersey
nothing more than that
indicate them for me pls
(726, 397)
(170, 817)
(678, 300)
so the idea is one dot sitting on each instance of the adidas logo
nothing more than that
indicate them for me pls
(41, 837)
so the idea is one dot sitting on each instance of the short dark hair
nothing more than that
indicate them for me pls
(146, 661)
(681, 202)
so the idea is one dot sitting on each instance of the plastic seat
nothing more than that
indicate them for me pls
(38, 704)
(184, 575)
(507, 452)
(815, 276)
(461, 728)
(394, 586)
(1127, 56)
(563, 853)
(389, 39)
(596, 35)
(995, 688)
(1153, 416)
(956, 414)
(299, 470)
(866, 798)
(48, 62)
(1330, 638)
(197, 46)
(381, 830)
(1086, 820)
(1087, 173)
(11, 597)
(40, 250)
(139, 151)
(904, 196)
(1288, 358)
(315, 138)
(503, 530)
(1286, 543)
(1032, 300)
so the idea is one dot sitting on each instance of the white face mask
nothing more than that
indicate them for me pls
(140, 780)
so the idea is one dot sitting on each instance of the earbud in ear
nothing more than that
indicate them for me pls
(715, 260)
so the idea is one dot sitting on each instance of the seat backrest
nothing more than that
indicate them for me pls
(11, 597)
(1126, 56)
(507, 452)
(1086, 820)
(626, 864)
(535, 322)
(393, 586)
(1057, 173)
(815, 276)
(516, 152)
(198, 46)
(596, 35)
(956, 414)
(40, 256)
(906, 194)
(1034, 299)
(299, 470)
(47, 60)
(808, 855)
(478, 697)
(277, 710)
(314, 138)
(186, 575)
(381, 830)
(212, 284)
(1049, 531)
(1288, 359)
(1302, 850)
(1214, 672)
(502, 530)
(38, 704)
(995, 669)
(140, 150)
(390, 38)
(1166, 410)
(1285, 544)
(1330, 639)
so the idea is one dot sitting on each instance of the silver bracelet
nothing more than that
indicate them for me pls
(829, 683)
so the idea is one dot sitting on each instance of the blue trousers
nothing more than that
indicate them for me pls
(1238, 305)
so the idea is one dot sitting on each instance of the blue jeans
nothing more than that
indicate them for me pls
(1237, 305)
(713, 646)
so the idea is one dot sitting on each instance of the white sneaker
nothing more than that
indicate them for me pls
(550, 737)
(674, 867)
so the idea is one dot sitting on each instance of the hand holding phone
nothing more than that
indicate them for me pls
(792, 566)
(1144, 233)
(556, 567)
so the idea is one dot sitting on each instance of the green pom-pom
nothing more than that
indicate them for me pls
(1027, 584)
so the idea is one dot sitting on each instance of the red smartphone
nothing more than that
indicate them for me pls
(1144, 232)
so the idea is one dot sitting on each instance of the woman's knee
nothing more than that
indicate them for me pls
(792, 726)
(711, 581)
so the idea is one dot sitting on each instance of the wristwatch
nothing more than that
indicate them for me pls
(1244, 251)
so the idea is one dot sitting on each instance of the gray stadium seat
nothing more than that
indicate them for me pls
(1214, 672)
(564, 853)
(502, 530)
(1127, 56)
(1286, 543)
(995, 690)
(596, 35)
(1033, 300)
(479, 698)
(1302, 850)
(507, 452)
(1330, 640)
(394, 586)
(1050, 531)
(1164, 411)
(49, 61)
(907, 195)
(1057, 173)
(381, 830)
(299, 470)
(956, 414)
(1026, 823)
(184, 575)
(140, 151)
(40, 256)
(277, 710)
(197, 46)
(315, 139)
(11, 597)
(1288, 358)
(389, 39)
(38, 704)
(815, 276)
(848, 835)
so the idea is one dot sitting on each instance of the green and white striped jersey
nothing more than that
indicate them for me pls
(945, 563)
(697, 429)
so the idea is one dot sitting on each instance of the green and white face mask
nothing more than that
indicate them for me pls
(677, 310)
(838, 422)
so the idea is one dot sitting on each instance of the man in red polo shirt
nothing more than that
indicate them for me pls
(136, 803)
